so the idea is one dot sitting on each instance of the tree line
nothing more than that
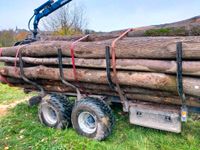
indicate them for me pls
(69, 20)
(10, 36)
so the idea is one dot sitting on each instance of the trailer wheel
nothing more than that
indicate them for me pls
(55, 111)
(93, 118)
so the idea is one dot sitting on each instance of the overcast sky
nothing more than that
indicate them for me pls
(106, 15)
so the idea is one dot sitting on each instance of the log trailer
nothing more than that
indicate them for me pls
(91, 115)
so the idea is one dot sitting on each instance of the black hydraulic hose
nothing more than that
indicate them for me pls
(29, 23)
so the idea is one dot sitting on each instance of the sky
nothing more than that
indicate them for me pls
(106, 15)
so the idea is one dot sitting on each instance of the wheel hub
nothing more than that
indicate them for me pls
(87, 122)
(50, 115)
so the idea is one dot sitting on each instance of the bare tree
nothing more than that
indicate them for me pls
(68, 20)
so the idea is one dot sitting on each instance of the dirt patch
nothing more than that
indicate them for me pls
(3, 111)
(5, 108)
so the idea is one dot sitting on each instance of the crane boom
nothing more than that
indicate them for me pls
(44, 10)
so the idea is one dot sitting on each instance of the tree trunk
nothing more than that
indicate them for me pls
(159, 66)
(148, 47)
(155, 81)
(131, 96)
(60, 87)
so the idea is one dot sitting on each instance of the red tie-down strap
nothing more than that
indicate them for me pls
(118, 89)
(16, 57)
(72, 47)
(3, 79)
(73, 56)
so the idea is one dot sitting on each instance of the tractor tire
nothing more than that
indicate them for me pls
(93, 118)
(55, 111)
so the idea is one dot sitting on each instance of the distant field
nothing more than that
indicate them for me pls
(21, 130)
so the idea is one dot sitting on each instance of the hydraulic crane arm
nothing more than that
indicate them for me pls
(44, 10)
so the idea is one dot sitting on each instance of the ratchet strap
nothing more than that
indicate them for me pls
(17, 56)
(118, 89)
(72, 47)
(73, 56)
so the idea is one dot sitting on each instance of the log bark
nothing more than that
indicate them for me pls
(60, 87)
(156, 81)
(186, 27)
(148, 47)
(160, 66)
(163, 100)
(131, 96)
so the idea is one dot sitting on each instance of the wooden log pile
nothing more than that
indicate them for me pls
(146, 66)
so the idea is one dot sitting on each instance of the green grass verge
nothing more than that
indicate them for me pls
(21, 130)
(8, 94)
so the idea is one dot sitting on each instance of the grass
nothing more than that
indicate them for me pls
(165, 32)
(21, 129)
(8, 95)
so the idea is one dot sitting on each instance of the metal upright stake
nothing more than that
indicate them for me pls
(60, 64)
(36, 99)
(179, 53)
(108, 72)
(121, 93)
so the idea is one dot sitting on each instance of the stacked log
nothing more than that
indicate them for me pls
(146, 66)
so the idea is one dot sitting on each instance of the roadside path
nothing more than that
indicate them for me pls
(5, 108)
